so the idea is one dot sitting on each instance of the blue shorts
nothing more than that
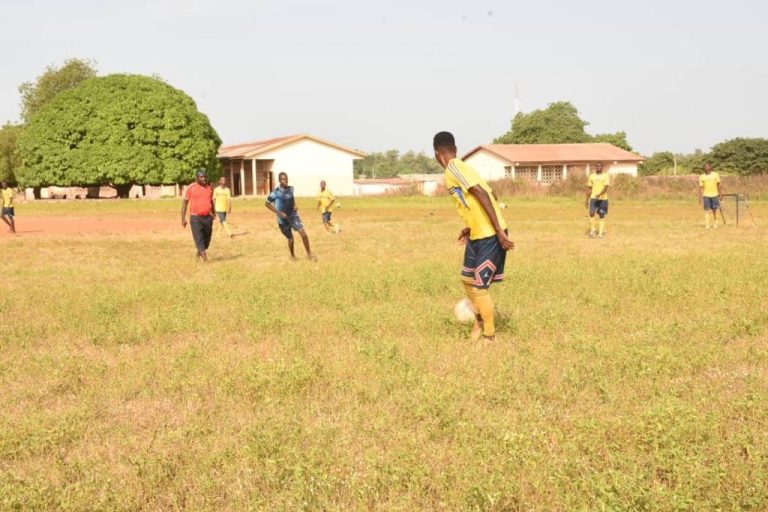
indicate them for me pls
(7, 211)
(598, 205)
(293, 222)
(222, 216)
(326, 217)
(483, 262)
(711, 203)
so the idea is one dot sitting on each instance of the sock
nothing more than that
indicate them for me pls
(592, 224)
(602, 227)
(484, 305)
(225, 225)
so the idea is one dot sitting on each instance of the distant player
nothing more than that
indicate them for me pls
(597, 200)
(222, 199)
(325, 203)
(7, 212)
(709, 195)
(282, 202)
(485, 234)
(199, 197)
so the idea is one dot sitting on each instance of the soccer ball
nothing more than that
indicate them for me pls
(464, 311)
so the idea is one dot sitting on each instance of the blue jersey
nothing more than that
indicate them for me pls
(283, 201)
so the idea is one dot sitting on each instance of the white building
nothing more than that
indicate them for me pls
(252, 167)
(545, 163)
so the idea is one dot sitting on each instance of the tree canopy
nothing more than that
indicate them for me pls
(559, 123)
(391, 163)
(117, 130)
(741, 156)
(10, 160)
(35, 95)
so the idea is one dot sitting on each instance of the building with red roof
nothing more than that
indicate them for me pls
(545, 163)
(252, 167)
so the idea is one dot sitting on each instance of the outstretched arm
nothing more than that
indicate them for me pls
(485, 201)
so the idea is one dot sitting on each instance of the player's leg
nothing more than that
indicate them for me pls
(707, 211)
(207, 223)
(602, 211)
(197, 234)
(327, 221)
(12, 221)
(4, 216)
(715, 210)
(224, 223)
(285, 229)
(592, 219)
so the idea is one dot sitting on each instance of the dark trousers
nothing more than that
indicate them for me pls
(202, 228)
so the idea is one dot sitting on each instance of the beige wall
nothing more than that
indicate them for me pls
(307, 162)
(622, 168)
(489, 166)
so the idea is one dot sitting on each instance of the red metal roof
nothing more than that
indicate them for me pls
(254, 148)
(558, 153)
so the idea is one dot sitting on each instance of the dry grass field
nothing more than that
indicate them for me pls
(629, 373)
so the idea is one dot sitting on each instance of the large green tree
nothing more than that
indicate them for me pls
(37, 94)
(117, 130)
(559, 123)
(741, 156)
(618, 139)
(10, 160)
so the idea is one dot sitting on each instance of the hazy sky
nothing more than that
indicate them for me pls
(674, 75)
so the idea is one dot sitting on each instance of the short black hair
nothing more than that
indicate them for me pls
(283, 174)
(444, 140)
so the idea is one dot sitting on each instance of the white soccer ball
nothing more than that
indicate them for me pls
(464, 311)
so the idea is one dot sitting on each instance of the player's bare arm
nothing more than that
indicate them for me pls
(184, 204)
(603, 192)
(463, 236)
(485, 201)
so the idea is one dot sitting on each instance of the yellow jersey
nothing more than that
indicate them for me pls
(598, 182)
(459, 178)
(709, 183)
(222, 198)
(325, 198)
(8, 195)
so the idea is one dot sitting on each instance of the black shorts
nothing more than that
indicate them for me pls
(293, 222)
(202, 228)
(7, 211)
(598, 205)
(484, 262)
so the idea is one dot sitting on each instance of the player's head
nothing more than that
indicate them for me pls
(200, 176)
(707, 168)
(3, 185)
(223, 181)
(282, 178)
(599, 167)
(445, 147)
(322, 184)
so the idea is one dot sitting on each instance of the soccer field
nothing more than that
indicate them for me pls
(629, 373)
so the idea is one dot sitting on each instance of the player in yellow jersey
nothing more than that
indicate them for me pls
(709, 195)
(222, 202)
(325, 203)
(485, 234)
(597, 200)
(7, 213)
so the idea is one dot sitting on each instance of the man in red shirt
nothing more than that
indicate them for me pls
(199, 197)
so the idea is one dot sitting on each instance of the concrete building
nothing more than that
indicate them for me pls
(545, 163)
(252, 167)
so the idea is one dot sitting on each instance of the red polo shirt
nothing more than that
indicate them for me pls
(199, 198)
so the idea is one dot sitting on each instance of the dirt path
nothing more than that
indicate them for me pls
(44, 226)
